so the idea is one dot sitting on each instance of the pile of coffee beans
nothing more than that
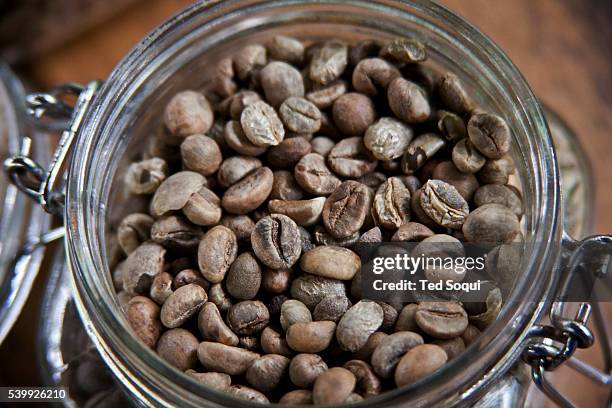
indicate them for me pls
(242, 272)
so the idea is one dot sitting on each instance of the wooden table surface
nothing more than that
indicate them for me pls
(563, 47)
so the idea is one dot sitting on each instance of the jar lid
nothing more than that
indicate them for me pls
(21, 222)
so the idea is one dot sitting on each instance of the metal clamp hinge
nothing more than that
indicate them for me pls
(46, 186)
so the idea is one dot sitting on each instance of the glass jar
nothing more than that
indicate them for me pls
(111, 122)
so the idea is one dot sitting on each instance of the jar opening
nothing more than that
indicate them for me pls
(178, 53)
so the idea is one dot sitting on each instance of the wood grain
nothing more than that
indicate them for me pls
(562, 47)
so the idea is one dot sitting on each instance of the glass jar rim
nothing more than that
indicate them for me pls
(122, 351)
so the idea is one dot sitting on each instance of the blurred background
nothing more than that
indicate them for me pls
(563, 47)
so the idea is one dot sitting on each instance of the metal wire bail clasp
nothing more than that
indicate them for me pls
(45, 186)
(553, 345)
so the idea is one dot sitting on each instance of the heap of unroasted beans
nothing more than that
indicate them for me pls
(242, 275)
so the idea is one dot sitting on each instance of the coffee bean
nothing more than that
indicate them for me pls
(249, 394)
(311, 289)
(373, 180)
(322, 145)
(312, 174)
(328, 62)
(244, 277)
(237, 140)
(203, 207)
(493, 306)
(133, 230)
(266, 372)
(201, 154)
(388, 138)
(297, 397)
(358, 323)
(362, 50)
(310, 337)
(453, 95)
(406, 320)
(233, 106)
(288, 152)
(293, 311)
(145, 177)
(286, 49)
(497, 171)
(325, 97)
(350, 158)
(272, 343)
(306, 238)
(442, 320)
(225, 359)
(489, 134)
(346, 208)
(300, 115)
(303, 212)
(161, 287)
(470, 334)
(373, 75)
(367, 382)
(391, 207)
(281, 81)
(406, 50)
(284, 187)
(373, 341)
(176, 233)
(248, 317)
(453, 347)
(183, 303)
(241, 225)
(498, 194)
(224, 84)
(331, 262)
(276, 241)
(235, 168)
(143, 316)
(331, 308)
(418, 214)
(248, 59)
(373, 236)
(188, 113)
(217, 381)
(305, 368)
(412, 232)
(333, 386)
(389, 316)
(353, 113)
(408, 101)
(322, 237)
(216, 252)
(141, 266)
(465, 183)
(451, 126)
(213, 328)
(249, 193)
(390, 350)
(467, 158)
(261, 125)
(419, 363)
(250, 343)
(443, 203)
(276, 280)
(175, 192)
(188, 276)
(491, 223)
(420, 150)
(217, 295)
(179, 348)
